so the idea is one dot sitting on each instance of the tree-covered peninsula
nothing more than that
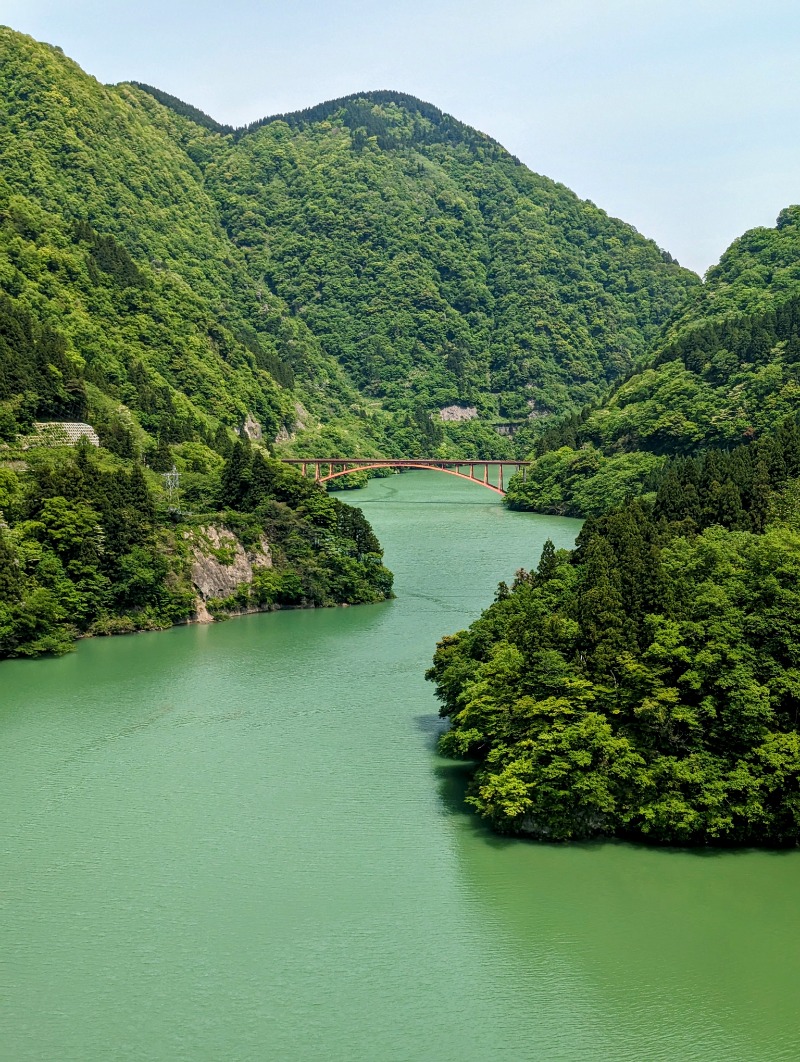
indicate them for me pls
(139, 533)
(645, 684)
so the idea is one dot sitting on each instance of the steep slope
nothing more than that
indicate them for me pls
(106, 231)
(726, 371)
(432, 264)
(372, 255)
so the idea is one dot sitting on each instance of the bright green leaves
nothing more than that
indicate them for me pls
(654, 691)
(574, 780)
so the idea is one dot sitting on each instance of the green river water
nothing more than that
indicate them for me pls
(237, 843)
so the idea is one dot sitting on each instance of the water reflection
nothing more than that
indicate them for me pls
(675, 954)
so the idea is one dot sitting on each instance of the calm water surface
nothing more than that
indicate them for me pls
(237, 842)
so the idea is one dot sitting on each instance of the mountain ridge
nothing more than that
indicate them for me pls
(430, 272)
(316, 112)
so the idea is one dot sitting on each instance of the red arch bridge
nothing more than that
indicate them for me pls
(489, 474)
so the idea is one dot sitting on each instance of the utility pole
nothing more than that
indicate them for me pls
(172, 482)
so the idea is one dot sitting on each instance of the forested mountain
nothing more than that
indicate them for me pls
(332, 279)
(432, 264)
(107, 234)
(370, 260)
(727, 370)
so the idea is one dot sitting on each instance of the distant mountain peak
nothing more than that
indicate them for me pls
(357, 110)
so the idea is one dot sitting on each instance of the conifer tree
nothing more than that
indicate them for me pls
(548, 565)
(235, 481)
(10, 576)
(730, 513)
(601, 611)
(161, 458)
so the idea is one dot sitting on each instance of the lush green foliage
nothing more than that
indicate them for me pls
(326, 550)
(646, 684)
(727, 370)
(433, 265)
(90, 544)
(338, 275)
(583, 482)
(197, 116)
(107, 235)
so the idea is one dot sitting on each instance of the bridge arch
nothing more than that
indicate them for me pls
(412, 464)
(474, 471)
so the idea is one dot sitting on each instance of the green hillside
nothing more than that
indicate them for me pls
(431, 264)
(645, 685)
(107, 233)
(95, 541)
(726, 371)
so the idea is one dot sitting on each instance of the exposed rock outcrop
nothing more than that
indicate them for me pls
(252, 429)
(458, 413)
(221, 565)
(300, 423)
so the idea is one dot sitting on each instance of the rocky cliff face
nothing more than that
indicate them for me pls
(458, 413)
(220, 565)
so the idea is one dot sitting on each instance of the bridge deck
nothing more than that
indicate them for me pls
(328, 468)
(400, 462)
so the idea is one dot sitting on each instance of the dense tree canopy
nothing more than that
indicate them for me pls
(432, 264)
(329, 280)
(727, 370)
(90, 542)
(646, 684)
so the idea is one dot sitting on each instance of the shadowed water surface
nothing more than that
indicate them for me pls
(237, 842)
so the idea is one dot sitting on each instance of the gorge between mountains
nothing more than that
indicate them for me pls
(234, 366)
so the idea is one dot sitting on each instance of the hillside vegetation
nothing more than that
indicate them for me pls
(431, 264)
(645, 684)
(92, 542)
(123, 304)
(726, 371)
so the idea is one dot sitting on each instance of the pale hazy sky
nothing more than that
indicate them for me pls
(680, 116)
